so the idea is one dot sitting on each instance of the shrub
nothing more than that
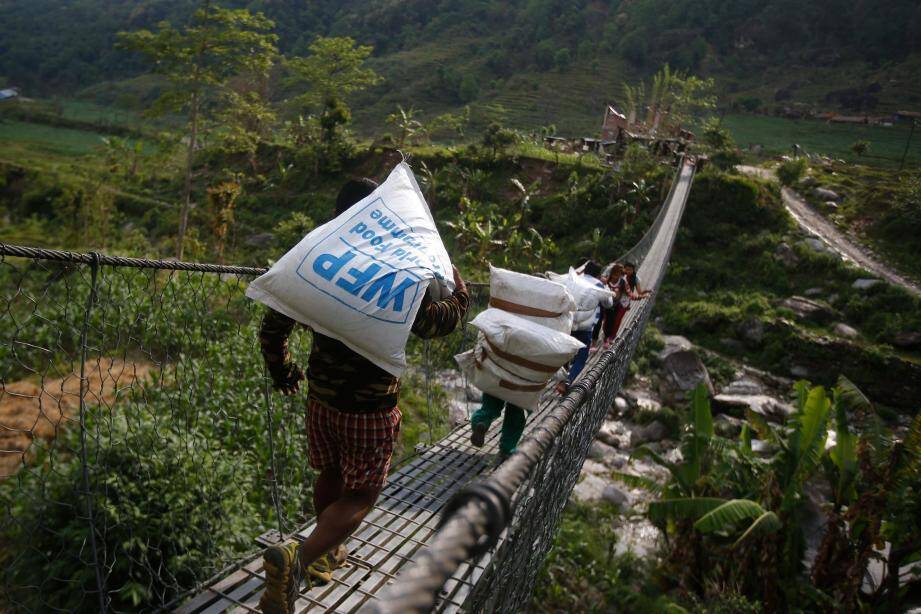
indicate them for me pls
(791, 171)
(291, 230)
(722, 205)
(165, 520)
(725, 159)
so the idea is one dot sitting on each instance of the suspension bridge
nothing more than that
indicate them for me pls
(451, 532)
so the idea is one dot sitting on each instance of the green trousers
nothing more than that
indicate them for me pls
(512, 423)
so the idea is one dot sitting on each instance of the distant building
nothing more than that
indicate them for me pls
(9, 94)
(614, 123)
(557, 143)
(849, 119)
(586, 144)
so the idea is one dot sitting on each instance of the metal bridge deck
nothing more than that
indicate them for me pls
(405, 517)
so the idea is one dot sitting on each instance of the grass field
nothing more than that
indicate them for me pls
(777, 136)
(52, 140)
(97, 114)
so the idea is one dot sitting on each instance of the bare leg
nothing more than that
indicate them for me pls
(327, 489)
(336, 522)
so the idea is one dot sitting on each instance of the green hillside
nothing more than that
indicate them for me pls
(544, 61)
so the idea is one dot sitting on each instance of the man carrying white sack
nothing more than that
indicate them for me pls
(584, 322)
(524, 340)
(352, 425)
(512, 424)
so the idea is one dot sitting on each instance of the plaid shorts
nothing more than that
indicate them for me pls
(360, 445)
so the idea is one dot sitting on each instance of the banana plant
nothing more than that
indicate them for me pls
(876, 480)
(684, 496)
(689, 495)
(405, 120)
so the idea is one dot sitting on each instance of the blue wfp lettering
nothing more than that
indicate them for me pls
(388, 292)
(328, 266)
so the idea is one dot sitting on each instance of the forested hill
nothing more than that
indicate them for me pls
(859, 54)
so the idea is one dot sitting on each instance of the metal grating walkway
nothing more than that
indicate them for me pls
(405, 517)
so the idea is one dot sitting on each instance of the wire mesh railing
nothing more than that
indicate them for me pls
(512, 515)
(141, 449)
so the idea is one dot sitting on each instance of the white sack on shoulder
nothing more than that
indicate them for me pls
(509, 388)
(586, 294)
(538, 300)
(361, 277)
(504, 362)
(522, 338)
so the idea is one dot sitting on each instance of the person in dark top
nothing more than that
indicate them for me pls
(352, 425)
(605, 328)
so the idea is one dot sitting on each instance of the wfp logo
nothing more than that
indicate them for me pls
(373, 263)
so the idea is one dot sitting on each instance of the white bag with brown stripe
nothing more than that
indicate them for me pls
(539, 300)
(524, 338)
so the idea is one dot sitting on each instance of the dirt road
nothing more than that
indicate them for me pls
(843, 245)
(31, 414)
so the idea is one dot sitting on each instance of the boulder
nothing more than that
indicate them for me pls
(865, 283)
(843, 330)
(590, 467)
(744, 385)
(613, 434)
(682, 372)
(908, 340)
(808, 309)
(589, 489)
(648, 403)
(751, 330)
(457, 412)
(674, 343)
(642, 398)
(652, 432)
(808, 181)
(613, 494)
(736, 404)
(601, 452)
(727, 426)
(826, 194)
(785, 254)
(817, 245)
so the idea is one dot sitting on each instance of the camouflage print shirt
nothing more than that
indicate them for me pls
(339, 377)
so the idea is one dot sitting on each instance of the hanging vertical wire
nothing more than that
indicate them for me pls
(89, 494)
(270, 428)
(429, 390)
